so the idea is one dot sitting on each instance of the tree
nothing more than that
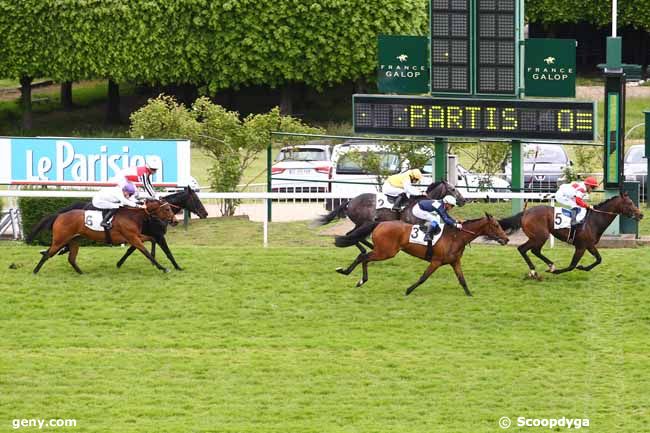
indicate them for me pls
(232, 143)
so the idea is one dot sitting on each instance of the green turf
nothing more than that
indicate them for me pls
(272, 340)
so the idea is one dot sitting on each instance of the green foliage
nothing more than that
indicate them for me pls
(220, 45)
(232, 143)
(32, 209)
(412, 155)
(634, 13)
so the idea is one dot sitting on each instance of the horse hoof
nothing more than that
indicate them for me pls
(165, 270)
(341, 271)
(178, 268)
(360, 283)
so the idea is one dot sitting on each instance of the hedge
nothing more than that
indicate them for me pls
(32, 209)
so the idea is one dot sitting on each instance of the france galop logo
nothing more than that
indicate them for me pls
(402, 57)
(549, 60)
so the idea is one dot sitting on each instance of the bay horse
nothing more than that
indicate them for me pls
(153, 228)
(127, 228)
(390, 237)
(363, 209)
(537, 224)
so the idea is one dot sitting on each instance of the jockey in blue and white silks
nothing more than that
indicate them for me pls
(433, 211)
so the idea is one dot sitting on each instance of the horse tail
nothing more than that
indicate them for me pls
(338, 212)
(45, 223)
(511, 224)
(356, 235)
(48, 220)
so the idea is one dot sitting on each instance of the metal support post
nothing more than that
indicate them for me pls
(441, 149)
(517, 175)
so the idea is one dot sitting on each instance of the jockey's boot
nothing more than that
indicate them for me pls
(397, 205)
(108, 214)
(432, 230)
(574, 224)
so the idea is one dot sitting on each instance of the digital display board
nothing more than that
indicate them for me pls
(495, 46)
(450, 46)
(503, 118)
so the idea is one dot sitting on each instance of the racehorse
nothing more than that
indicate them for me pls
(392, 236)
(537, 224)
(127, 227)
(363, 209)
(152, 228)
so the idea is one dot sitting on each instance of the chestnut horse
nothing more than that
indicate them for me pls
(127, 228)
(390, 237)
(362, 209)
(537, 224)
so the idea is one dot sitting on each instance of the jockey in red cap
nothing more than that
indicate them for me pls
(140, 174)
(575, 194)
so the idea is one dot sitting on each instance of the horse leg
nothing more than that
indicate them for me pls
(577, 255)
(353, 265)
(163, 244)
(523, 249)
(153, 248)
(368, 244)
(54, 248)
(461, 278)
(137, 242)
(430, 269)
(594, 252)
(126, 256)
(538, 252)
(72, 257)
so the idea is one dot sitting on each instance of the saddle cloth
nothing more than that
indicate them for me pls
(384, 201)
(93, 220)
(418, 232)
(562, 218)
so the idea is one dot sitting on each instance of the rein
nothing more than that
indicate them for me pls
(605, 212)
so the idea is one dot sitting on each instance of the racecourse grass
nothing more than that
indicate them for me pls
(248, 339)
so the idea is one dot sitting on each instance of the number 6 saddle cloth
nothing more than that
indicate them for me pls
(418, 232)
(93, 220)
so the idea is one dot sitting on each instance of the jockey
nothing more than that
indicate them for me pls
(574, 194)
(140, 174)
(434, 210)
(109, 200)
(401, 186)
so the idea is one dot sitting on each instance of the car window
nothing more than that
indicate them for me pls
(348, 164)
(635, 155)
(302, 154)
(548, 154)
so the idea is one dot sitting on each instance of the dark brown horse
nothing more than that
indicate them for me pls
(127, 228)
(362, 210)
(392, 236)
(537, 224)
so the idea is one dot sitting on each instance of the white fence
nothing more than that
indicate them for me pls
(265, 197)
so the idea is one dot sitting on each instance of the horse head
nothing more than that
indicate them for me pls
(194, 204)
(627, 207)
(162, 210)
(437, 190)
(492, 230)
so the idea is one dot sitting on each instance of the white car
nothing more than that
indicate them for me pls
(636, 165)
(302, 169)
(350, 180)
(467, 181)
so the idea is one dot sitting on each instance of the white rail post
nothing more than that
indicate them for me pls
(552, 241)
(266, 222)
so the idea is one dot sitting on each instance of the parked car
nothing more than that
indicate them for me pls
(304, 168)
(635, 165)
(544, 165)
(467, 181)
(350, 179)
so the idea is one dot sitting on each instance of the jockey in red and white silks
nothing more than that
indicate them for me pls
(575, 194)
(140, 174)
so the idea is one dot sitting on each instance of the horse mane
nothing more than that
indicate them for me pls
(603, 203)
(434, 185)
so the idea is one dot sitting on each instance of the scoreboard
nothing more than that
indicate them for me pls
(474, 46)
(480, 118)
